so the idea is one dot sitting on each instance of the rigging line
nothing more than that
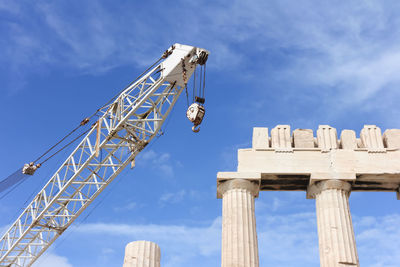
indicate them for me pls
(10, 180)
(95, 113)
(194, 84)
(84, 219)
(169, 91)
(76, 138)
(51, 148)
(187, 96)
(114, 184)
(126, 87)
(204, 80)
(14, 186)
(65, 237)
(201, 79)
(30, 197)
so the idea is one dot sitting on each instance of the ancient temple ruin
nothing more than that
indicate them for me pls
(325, 167)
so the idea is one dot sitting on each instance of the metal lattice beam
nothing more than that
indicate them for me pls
(124, 128)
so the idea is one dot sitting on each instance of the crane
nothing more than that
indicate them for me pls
(125, 126)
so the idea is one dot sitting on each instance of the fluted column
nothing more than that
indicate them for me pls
(142, 254)
(239, 236)
(337, 245)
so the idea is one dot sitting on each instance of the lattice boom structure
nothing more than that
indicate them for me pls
(124, 128)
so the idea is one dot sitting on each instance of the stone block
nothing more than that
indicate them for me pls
(303, 138)
(260, 138)
(371, 138)
(280, 137)
(327, 137)
(348, 139)
(391, 138)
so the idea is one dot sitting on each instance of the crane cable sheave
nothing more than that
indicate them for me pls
(181, 61)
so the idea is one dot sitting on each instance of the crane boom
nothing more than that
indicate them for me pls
(123, 129)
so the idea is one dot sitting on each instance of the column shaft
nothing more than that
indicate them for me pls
(239, 236)
(337, 244)
(142, 254)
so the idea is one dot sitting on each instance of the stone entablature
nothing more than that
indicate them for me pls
(294, 160)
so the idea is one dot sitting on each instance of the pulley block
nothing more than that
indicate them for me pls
(195, 114)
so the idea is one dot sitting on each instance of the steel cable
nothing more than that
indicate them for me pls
(86, 120)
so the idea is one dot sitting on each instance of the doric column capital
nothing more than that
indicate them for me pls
(318, 187)
(251, 186)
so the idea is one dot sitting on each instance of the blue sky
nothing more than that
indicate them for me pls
(302, 63)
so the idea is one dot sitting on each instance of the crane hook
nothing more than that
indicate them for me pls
(195, 114)
(194, 128)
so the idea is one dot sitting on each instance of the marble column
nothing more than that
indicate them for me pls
(337, 246)
(239, 236)
(142, 254)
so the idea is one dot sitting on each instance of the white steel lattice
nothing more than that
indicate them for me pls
(124, 128)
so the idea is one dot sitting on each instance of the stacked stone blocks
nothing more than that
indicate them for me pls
(370, 138)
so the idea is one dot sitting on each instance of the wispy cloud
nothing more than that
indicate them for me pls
(284, 239)
(181, 245)
(333, 58)
(9, 6)
(377, 240)
(346, 55)
(50, 259)
(160, 162)
(172, 198)
(288, 240)
(127, 207)
(291, 239)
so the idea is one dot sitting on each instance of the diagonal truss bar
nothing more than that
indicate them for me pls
(125, 127)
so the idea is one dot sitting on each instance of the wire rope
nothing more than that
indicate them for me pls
(204, 81)
(20, 177)
(86, 120)
(65, 146)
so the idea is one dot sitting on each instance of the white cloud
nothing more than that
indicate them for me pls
(108, 251)
(92, 45)
(377, 240)
(148, 155)
(9, 6)
(172, 198)
(160, 162)
(348, 51)
(51, 260)
(339, 55)
(181, 245)
(291, 240)
(284, 239)
(127, 207)
(288, 240)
